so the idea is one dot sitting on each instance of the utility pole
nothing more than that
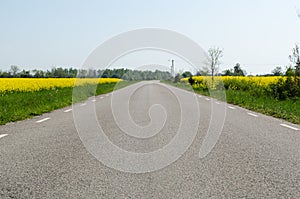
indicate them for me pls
(172, 68)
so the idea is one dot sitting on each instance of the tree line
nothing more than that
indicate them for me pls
(126, 74)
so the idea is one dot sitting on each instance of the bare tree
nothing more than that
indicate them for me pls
(14, 69)
(295, 59)
(214, 54)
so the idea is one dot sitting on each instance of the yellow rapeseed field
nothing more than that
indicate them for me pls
(232, 81)
(36, 84)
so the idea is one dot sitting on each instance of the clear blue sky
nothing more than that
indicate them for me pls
(259, 34)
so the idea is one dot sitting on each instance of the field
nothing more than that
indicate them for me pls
(269, 95)
(8, 85)
(24, 98)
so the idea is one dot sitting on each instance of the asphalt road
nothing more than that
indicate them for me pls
(253, 156)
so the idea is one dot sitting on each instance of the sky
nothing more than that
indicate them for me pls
(258, 34)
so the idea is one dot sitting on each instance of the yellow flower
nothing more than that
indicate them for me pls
(232, 82)
(36, 84)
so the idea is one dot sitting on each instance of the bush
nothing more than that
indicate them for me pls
(278, 89)
(191, 80)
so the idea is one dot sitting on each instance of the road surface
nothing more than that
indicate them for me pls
(255, 156)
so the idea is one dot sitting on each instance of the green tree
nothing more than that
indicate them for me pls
(186, 74)
(277, 71)
(227, 72)
(237, 70)
(24, 74)
(38, 73)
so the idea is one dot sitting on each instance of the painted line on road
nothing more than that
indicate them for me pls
(101, 97)
(217, 102)
(207, 99)
(3, 135)
(68, 110)
(252, 114)
(93, 100)
(83, 104)
(287, 126)
(43, 120)
(231, 107)
(199, 96)
(107, 95)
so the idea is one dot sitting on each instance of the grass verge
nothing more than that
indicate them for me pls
(288, 109)
(21, 105)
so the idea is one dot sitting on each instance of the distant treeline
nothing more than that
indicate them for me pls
(125, 74)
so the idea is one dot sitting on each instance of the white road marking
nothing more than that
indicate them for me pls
(231, 107)
(43, 120)
(207, 99)
(199, 96)
(287, 126)
(3, 135)
(107, 95)
(93, 100)
(83, 104)
(252, 114)
(101, 97)
(218, 103)
(68, 110)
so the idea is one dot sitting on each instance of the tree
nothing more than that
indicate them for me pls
(295, 82)
(73, 72)
(186, 74)
(277, 71)
(5, 74)
(295, 59)
(215, 54)
(228, 72)
(14, 69)
(289, 71)
(38, 73)
(203, 72)
(58, 72)
(24, 74)
(237, 70)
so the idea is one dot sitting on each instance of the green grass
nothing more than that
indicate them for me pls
(21, 105)
(288, 109)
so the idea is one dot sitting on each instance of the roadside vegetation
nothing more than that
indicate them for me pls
(276, 94)
(18, 103)
(262, 94)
